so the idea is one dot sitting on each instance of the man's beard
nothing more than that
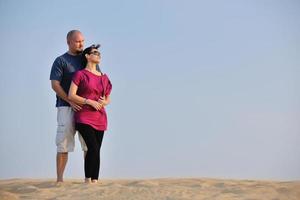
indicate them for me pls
(79, 52)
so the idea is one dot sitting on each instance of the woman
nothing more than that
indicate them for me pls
(91, 89)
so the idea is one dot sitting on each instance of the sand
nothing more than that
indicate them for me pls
(167, 189)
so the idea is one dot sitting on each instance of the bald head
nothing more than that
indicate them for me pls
(72, 33)
(75, 42)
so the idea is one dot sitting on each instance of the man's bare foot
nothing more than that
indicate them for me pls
(59, 180)
(59, 183)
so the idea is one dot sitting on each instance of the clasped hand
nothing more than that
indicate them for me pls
(98, 104)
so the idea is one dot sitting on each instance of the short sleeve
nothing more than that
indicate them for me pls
(77, 78)
(57, 70)
(108, 87)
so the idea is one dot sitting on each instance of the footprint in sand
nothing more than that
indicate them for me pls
(26, 189)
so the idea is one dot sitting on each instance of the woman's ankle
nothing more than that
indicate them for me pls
(94, 180)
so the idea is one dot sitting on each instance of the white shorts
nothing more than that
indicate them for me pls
(65, 140)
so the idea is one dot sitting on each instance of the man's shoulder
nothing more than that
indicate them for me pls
(61, 58)
(67, 58)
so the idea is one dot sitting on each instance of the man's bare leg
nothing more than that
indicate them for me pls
(61, 161)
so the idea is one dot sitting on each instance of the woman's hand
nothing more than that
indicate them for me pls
(104, 100)
(95, 104)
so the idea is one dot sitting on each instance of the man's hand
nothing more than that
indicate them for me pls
(75, 106)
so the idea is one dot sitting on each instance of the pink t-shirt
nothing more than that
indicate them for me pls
(92, 86)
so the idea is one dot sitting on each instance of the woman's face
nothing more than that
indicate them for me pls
(94, 56)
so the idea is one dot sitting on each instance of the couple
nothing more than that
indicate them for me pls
(82, 92)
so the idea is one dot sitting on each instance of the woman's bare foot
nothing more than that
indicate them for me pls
(87, 180)
(94, 181)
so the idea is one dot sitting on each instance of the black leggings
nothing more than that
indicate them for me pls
(93, 139)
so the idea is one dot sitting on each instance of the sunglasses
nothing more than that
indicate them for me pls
(96, 53)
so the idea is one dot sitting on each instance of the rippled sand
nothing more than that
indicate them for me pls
(167, 189)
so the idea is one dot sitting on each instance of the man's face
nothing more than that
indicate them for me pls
(76, 43)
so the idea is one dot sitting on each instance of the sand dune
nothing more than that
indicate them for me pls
(165, 189)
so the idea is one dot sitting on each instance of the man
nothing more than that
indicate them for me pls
(61, 74)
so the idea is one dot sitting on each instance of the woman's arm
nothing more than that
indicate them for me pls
(80, 100)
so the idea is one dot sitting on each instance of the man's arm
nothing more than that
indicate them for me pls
(61, 93)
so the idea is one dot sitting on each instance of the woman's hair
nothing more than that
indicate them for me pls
(88, 50)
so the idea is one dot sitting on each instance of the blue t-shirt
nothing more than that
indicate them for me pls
(63, 70)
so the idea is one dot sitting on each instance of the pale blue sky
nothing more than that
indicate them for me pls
(200, 88)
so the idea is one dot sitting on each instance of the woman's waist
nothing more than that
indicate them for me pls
(86, 109)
